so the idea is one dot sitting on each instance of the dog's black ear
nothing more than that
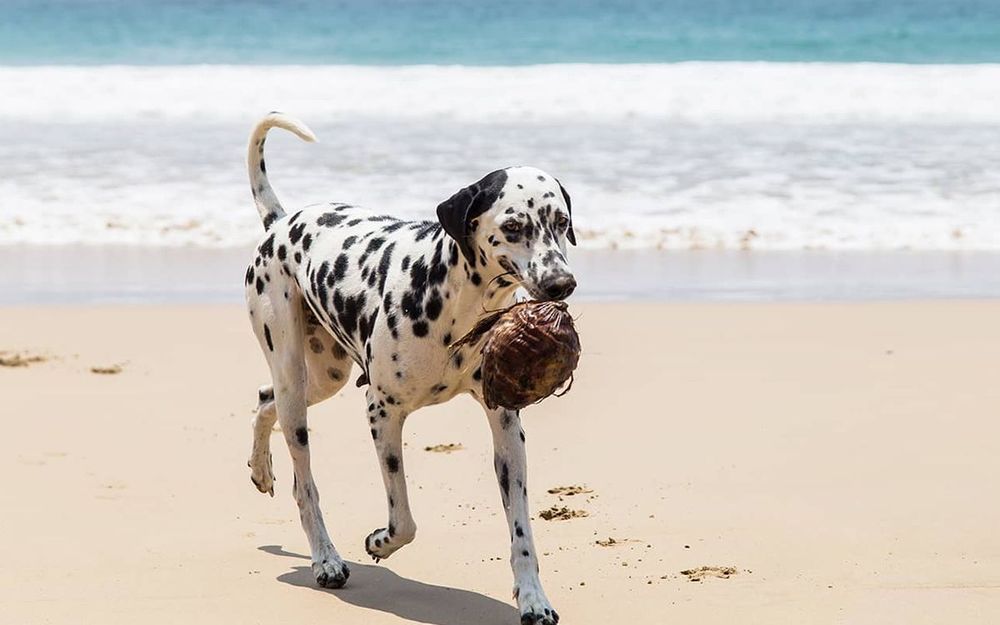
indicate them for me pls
(570, 235)
(453, 214)
(457, 212)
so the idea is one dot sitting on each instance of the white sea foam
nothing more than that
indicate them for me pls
(695, 92)
(690, 155)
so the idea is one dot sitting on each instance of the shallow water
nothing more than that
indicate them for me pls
(134, 275)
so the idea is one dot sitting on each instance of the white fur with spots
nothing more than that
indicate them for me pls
(335, 285)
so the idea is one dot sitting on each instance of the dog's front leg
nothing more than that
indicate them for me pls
(510, 462)
(386, 421)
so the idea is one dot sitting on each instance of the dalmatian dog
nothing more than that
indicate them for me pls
(333, 286)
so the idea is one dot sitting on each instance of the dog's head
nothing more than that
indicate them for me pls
(515, 223)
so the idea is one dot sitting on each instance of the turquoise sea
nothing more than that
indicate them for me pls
(515, 32)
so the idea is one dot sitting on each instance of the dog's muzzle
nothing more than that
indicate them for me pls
(559, 287)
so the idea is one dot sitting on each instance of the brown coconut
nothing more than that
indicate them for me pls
(529, 351)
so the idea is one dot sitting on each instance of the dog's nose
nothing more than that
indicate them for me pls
(560, 287)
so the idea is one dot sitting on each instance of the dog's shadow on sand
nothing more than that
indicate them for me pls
(378, 588)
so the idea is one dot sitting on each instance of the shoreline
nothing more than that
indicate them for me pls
(101, 275)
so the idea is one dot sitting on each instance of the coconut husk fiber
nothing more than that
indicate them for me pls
(529, 351)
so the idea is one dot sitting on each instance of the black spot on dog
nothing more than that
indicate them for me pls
(418, 274)
(302, 436)
(383, 266)
(411, 307)
(267, 337)
(374, 244)
(307, 242)
(433, 306)
(349, 241)
(374, 434)
(335, 374)
(267, 247)
(476, 279)
(295, 233)
(340, 267)
(329, 220)
(316, 345)
(265, 395)
(420, 328)
(392, 463)
(426, 229)
(298, 257)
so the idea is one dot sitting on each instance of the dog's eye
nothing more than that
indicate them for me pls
(511, 226)
(562, 221)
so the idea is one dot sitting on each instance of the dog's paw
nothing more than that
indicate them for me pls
(261, 474)
(383, 542)
(331, 573)
(535, 608)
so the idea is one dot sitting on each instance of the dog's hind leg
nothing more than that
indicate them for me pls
(328, 367)
(260, 456)
(386, 420)
(280, 326)
(510, 462)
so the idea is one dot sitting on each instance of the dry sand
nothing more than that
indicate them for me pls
(842, 458)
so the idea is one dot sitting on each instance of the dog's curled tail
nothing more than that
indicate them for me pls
(267, 202)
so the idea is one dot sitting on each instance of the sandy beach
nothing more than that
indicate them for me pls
(840, 457)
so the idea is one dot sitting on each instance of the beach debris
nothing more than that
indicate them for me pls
(530, 351)
(701, 573)
(108, 370)
(17, 359)
(569, 490)
(617, 542)
(556, 513)
(445, 448)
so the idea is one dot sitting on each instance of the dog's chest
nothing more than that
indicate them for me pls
(426, 371)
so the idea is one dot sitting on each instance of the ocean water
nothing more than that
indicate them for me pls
(722, 124)
(515, 32)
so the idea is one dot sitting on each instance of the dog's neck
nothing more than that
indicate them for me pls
(477, 290)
